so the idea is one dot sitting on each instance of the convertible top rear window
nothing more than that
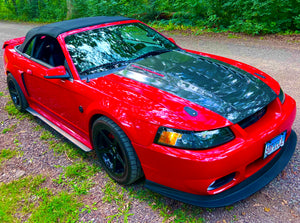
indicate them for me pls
(107, 48)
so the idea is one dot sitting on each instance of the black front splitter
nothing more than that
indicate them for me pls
(240, 191)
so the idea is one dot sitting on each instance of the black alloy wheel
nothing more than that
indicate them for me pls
(115, 152)
(16, 93)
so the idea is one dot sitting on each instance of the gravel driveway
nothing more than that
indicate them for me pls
(277, 202)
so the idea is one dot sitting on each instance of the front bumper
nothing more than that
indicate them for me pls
(240, 191)
(194, 171)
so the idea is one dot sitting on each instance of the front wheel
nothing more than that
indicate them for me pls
(115, 152)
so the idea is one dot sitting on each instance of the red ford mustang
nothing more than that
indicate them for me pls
(202, 129)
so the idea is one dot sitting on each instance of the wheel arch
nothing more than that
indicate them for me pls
(129, 130)
(16, 93)
(91, 122)
(20, 80)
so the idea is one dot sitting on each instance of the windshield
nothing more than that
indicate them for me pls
(107, 48)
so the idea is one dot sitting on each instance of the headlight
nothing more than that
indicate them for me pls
(281, 96)
(193, 140)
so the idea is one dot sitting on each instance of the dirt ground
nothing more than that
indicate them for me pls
(279, 201)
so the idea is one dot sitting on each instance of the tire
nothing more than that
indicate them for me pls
(115, 152)
(16, 94)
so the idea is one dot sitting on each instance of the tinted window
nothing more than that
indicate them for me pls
(47, 50)
(107, 48)
(29, 48)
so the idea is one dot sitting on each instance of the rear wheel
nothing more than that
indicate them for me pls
(16, 94)
(115, 152)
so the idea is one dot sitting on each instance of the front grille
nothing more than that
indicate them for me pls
(252, 118)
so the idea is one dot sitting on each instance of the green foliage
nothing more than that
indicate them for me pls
(15, 195)
(6, 154)
(62, 207)
(77, 177)
(80, 170)
(260, 17)
(33, 10)
(114, 193)
(183, 213)
(248, 16)
(11, 128)
(14, 112)
(5, 130)
(46, 135)
(24, 200)
(37, 128)
(68, 149)
(123, 211)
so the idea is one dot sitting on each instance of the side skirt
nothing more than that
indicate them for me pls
(52, 125)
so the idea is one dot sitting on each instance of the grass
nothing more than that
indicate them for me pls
(63, 207)
(14, 194)
(184, 213)
(75, 181)
(1, 94)
(123, 213)
(233, 36)
(123, 196)
(11, 128)
(116, 194)
(26, 200)
(6, 154)
(60, 146)
(66, 148)
(229, 208)
(37, 128)
(77, 177)
(14, 112)
(113, 192)
(186, 29)
(46, 135)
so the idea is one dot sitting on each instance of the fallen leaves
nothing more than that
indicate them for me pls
(267, 209)
(284, 202)
(283, 174)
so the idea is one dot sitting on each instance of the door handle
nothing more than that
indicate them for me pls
(28, 71)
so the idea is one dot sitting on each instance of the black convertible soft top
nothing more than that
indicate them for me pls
(55, 29)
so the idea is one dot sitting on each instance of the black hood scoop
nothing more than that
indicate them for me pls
(220, 87)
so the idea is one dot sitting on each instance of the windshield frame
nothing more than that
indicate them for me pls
(106, 72)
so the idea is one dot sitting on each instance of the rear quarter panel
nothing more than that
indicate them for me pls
(13, 61)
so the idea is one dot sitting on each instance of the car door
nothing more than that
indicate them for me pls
(60, 99)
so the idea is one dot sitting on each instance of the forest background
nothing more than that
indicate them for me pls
(246, 16)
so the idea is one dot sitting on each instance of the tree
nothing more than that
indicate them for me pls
(69, 9)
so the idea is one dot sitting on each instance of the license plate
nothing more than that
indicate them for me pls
(274, 144)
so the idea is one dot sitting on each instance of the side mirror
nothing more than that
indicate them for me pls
(172, 40)
(57, 73)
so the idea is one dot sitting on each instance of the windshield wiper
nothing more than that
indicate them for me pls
(106, 66)
(117, 64)
(153, 53)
